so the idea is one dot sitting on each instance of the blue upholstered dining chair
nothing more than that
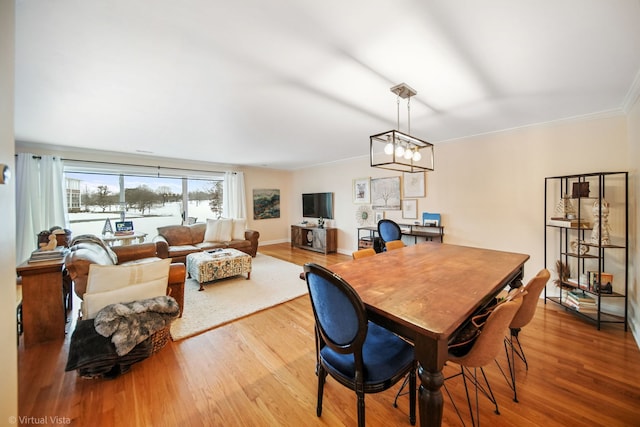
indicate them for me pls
(358, 354)
(389, 230)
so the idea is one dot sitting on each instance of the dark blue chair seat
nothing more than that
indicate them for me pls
(380, 347)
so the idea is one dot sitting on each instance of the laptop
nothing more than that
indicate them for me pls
(124, 228)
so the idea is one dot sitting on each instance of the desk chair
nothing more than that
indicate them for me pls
(363, 253)
(484, 350)
(359, 354)
(394, 244)
(389, 230)
(520, 320)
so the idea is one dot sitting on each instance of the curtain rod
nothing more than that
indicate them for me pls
(131, 164)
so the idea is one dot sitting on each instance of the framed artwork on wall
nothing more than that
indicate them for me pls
(413, 184)
(379, 216)
(410, 209)
(266, 203)
(362, 190)
(385, 193)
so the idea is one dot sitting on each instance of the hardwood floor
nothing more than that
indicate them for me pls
(259, 371)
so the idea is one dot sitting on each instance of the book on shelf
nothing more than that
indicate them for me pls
(40, 255)
(568, 223)
(580, 301)
(580, 296)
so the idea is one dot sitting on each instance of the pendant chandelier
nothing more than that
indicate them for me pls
(399, 151)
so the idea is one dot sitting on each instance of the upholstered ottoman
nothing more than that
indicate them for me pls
(219, 264)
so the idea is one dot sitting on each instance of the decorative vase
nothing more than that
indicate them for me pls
(600, 232)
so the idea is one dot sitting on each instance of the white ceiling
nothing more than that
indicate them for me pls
(288, 84)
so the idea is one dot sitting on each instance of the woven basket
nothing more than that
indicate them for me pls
(160, 339)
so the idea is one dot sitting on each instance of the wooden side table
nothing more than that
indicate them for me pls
(43, 311)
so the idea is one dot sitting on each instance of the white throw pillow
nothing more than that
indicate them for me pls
(93, 303)
(110, 284)
(218, 230)
(239, 226)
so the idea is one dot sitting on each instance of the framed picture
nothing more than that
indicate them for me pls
(362, 190)
(266, 203)
(385, 194)
(410, 209)
(430, 219)
(413, 184)
(379, 216)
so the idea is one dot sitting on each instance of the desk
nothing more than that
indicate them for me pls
(428, 232)
(43, 311)
(124, 239)
(424, 293)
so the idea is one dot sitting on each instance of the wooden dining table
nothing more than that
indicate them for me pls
(424, 293)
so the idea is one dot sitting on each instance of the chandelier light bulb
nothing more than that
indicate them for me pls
(388, 149)
(399, 150)
(408, 154)
(417, 156)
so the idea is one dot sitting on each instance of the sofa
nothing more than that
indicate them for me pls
(214, 234)
(87, 249)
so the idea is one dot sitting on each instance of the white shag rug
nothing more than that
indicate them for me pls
(272, 282)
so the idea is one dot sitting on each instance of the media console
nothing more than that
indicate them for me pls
(314, 238)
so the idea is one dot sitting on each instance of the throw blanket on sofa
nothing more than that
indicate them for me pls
(131, 323)
(91, 238)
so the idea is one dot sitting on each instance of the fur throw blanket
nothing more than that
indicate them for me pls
(131, 323)
(94, 356)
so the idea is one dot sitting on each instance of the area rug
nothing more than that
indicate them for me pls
(272, 282)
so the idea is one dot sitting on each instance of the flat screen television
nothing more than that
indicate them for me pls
(316, 205)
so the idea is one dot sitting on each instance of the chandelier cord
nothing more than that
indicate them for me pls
(409, 115)
(398, 111)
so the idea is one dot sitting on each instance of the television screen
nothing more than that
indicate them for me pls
(316, 205)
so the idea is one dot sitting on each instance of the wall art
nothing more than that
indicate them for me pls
(413, 184)
(266, 203)
(362, 190)
(410, 209)
(385, 193)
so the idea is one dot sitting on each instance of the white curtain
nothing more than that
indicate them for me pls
(40, 200)
(233, 197)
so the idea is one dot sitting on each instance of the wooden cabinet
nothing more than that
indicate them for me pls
(587, 244)
(314, 238)
(43, 310)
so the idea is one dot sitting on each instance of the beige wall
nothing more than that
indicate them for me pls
(8, 350)
(490, 189)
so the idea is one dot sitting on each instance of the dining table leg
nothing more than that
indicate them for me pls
(431, 355)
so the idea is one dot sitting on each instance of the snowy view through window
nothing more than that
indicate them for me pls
(149, 202)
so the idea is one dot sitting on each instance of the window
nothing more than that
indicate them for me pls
(96, 194)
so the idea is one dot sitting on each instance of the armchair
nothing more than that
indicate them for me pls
(88, 249)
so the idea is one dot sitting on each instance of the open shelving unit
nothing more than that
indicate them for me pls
(587, 230)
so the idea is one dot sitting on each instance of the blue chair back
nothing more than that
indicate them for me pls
(338, 310)
(389, 230)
